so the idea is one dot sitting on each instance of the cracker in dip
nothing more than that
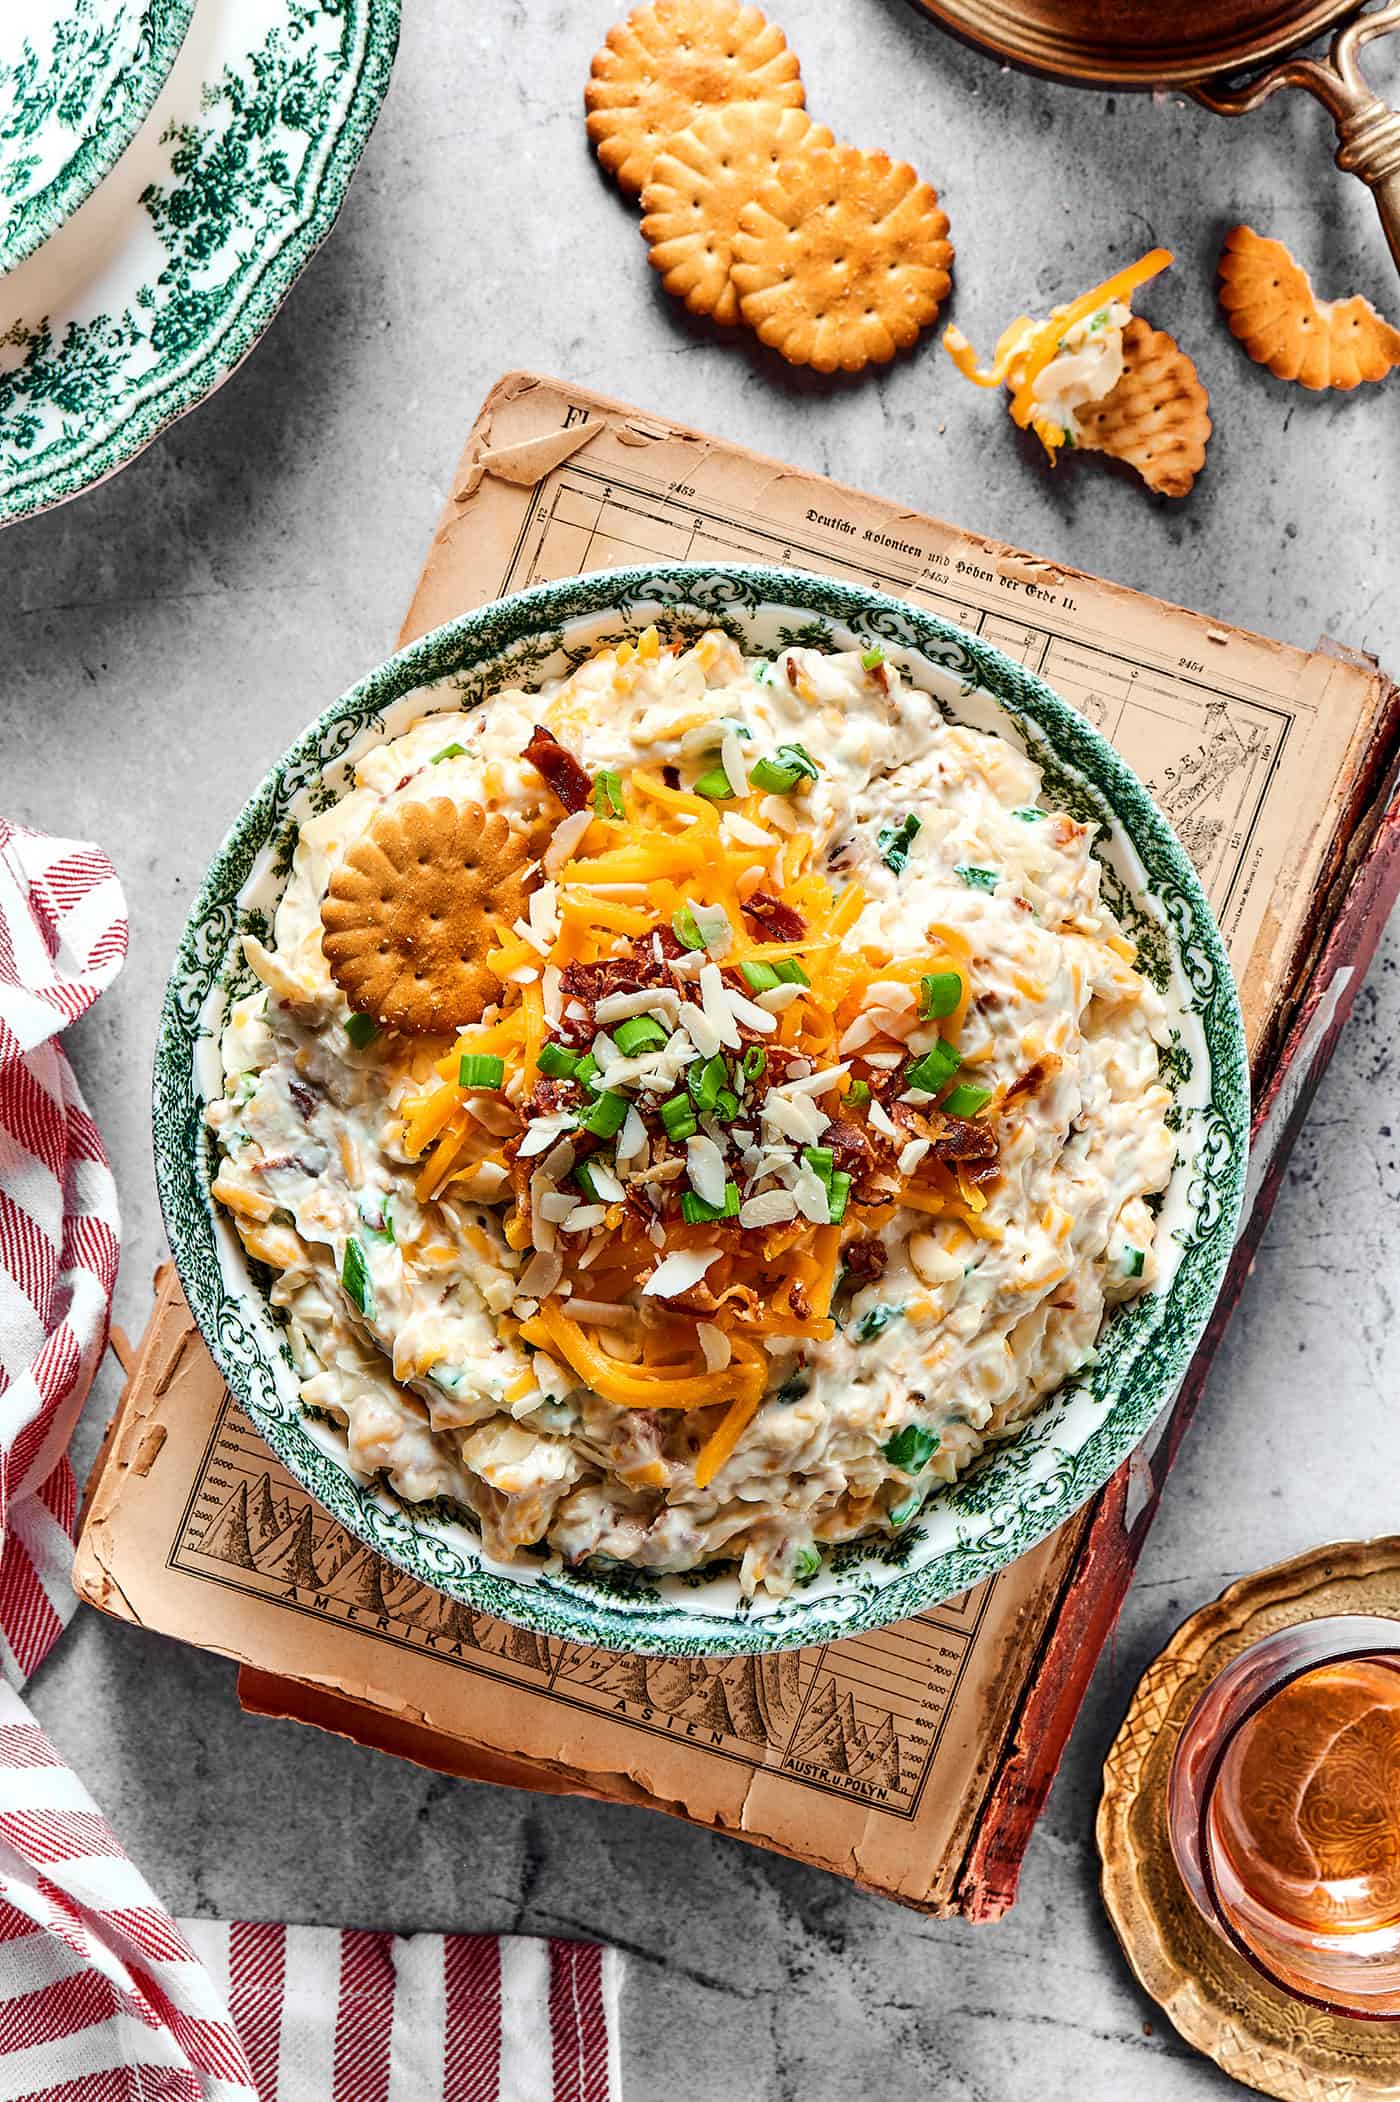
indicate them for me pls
(809, 1137)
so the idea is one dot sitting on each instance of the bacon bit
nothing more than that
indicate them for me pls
(549, 1096)
(1023, 904)
(671, 945)
(592, 982)
(865, 1257)
(305, 1098)
(1034, 1077)
(558, 769)
(790, 668)
(963, 1139)
(778, 921)
(799, 1304)
(881, 677)
(850, 1149)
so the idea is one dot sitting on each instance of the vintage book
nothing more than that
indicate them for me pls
(913, 1760)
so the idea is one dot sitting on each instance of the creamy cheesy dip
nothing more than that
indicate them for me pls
(812, 1129)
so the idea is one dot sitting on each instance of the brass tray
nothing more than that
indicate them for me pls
(1255, 2032)
(1213, 48)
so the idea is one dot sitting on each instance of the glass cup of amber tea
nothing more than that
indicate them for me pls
(1284, 1811)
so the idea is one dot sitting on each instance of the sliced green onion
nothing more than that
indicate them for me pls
(716, 785)
(975, 878)
(696, 1212)
(480, 1069)
(874, 1323)
(760, 977)
(361, 1030)
(966, 1101)
(354, 1276)
(793, 1388)
(820, 1159)
(939, 994)
(838, 1192)
(607, 793)
(449, 751)
(911, 1449)
(935, 1069)
(901, 1513)
(894, 844)
(726, 1105)
(637, 1034)
(873, 658)
(586, 1071)
(762, 673)
(755, 1060)
(686, 928)
(583, 1176)
(377, 1215)
(703, 1083)
(798, 755)
(1028, 813)
(791, 763)
(805, 1564)
(558, 1062)
(679, 1118)
(1133, 1261)
(858, 1092)
(604, 1118)
(790, 971)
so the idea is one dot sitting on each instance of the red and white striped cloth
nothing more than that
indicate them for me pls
(103, 1996)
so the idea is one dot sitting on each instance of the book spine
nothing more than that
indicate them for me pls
(1094, 1593)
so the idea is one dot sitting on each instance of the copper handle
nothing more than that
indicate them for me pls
(1368, 130)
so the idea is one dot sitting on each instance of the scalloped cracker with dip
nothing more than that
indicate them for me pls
(1157, 418)
(1091, 376)
(842, 258)
(670, 60)
(700, 185)
(406, 921)
(1273, 310)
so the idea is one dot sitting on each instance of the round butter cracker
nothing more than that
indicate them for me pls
(404, 923)
(700, 184)
(841, 259)
(669, 61)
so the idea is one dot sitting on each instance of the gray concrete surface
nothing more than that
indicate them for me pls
(165, 636)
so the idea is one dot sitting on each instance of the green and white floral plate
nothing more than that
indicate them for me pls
(76, 79)
(1018, 1490)
(150, 294)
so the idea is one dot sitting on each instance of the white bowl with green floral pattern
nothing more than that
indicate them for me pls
(1018, 1490)
(130, 312)
(76, 80)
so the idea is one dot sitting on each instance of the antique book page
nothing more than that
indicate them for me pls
(871, 1757)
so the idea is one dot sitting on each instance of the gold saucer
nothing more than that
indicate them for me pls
(1254, 2032)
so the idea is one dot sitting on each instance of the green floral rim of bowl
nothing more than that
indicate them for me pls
(71, 102)
(1020, 1489)
(249, 181)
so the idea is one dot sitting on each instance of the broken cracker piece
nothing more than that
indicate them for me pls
(699, 186)
(1157, 418)
(405, 920)
(841, 258)
(668, 61)
(1273, 310)
(1073, 357)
